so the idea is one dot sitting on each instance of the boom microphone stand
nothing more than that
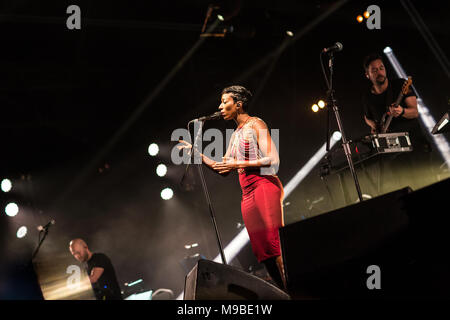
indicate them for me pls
(43, 230)
(41, 240)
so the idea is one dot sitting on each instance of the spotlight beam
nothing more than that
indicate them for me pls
(300, 175)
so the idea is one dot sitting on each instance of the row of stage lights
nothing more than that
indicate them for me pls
(12, 209)
(167, 193)
(360, 18)
(161, 171)
(317, 106)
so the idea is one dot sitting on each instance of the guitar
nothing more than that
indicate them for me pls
(386, 122)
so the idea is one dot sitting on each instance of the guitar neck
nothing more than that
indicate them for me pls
(402, 93)
(389, 119)
(399, 99)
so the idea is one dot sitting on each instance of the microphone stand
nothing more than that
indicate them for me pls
(205, 191)
(40, 242)
(327, 139)
(345, 142)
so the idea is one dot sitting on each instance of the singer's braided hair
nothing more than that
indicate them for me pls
(239, 93)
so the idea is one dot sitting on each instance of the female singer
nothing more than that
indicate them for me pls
(253, 154)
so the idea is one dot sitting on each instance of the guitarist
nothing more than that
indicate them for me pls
(402, 169)
(379, 98)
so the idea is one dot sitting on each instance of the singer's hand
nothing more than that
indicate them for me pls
(225, 166)
(185, 145)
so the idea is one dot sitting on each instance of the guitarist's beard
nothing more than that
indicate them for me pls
(381, 80)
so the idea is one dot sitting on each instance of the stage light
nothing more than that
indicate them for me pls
(359, 18)
(321, 104)
(337, 135)
(315, 108)
(6, 185)
(153, 149)
(220, 17)
(290, 33)
(161, 170)
(189, 246)
(442, 125)
(11, 209)
(134, 283)
(167, 194)
(22, 232)
(366, 14)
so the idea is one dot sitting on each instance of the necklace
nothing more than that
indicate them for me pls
(244, 123)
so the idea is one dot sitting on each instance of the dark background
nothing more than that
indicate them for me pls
(64, 95)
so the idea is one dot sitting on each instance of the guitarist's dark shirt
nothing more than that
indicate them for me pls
(376, 105)
(107, 287)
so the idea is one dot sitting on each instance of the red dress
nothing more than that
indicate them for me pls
(262, 195)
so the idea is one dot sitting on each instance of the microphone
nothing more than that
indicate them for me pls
(214, 116)
(47, 226)
(336, 47)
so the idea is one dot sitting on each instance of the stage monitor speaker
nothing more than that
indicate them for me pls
(328, 255)
(209, 280)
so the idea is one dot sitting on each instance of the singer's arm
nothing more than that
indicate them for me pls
(209, 162)
(266, 145)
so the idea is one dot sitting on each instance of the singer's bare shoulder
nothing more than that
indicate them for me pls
(257, 123)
